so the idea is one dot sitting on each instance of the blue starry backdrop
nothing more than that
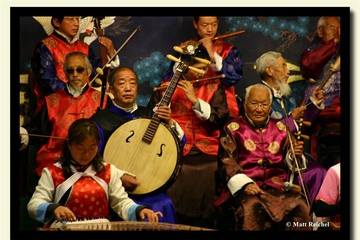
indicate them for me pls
(146, 51)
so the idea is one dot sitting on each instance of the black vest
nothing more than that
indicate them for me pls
(109, 121)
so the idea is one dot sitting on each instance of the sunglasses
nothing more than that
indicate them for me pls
(78, 69)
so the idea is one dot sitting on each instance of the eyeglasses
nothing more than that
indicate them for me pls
(255, 105)
(78, 69)
(72, 19)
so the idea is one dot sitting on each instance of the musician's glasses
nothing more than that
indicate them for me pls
(72, 70)
(72, 19)
(255, 105)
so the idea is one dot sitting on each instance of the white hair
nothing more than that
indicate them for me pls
(257, 85)
(266, 60)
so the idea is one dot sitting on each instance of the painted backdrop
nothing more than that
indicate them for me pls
(146, 51)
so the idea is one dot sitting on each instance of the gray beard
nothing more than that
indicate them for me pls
(284, 88)
(76, 88)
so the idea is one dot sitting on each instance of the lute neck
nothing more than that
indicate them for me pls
(165, 100)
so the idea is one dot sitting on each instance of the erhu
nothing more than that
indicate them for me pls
(293, 163)
(301, 121)
(332, 70)
(301, 166)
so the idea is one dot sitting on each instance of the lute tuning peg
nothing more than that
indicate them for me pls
(172, 58)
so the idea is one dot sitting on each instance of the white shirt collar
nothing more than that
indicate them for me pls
(73, 91)
(68, 40)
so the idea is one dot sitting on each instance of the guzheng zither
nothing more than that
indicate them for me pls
(104, 225)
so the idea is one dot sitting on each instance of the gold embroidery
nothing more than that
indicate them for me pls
(274, 147)
(54, 100)
(233, 126)
(281, 126)
(249, 145)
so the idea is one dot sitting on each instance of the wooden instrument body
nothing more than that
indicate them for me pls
(124, 226)
(156, 164)
(148, 148)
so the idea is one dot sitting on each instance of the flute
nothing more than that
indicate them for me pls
(192, 81)
(228, 35)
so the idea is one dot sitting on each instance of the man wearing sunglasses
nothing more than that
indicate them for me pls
(60, 109)
(47, 74)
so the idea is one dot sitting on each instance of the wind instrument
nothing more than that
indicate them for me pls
(192, 81)
(229, 35)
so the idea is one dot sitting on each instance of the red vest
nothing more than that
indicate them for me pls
(87, 199)
(201, 133)
(63, 110)
(223, 49)
(59, 49)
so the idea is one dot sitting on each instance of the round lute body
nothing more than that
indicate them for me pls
(154, 158)
(149, 149)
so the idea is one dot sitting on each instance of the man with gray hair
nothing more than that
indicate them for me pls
(319, 62)
(252, 173)
(61, 108)
(274, 73)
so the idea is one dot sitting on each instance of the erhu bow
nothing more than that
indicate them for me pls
(100, 70)
(103, 52)
(294, 164)
(103, 73)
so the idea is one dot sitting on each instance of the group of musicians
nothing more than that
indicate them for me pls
(194, 107)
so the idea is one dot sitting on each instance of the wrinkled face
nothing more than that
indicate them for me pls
(125, 88)
(280, 71)
(330, 30)
(258, 105)
(77, 73)
(84, 152)
(69, 26)
(207, 26)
